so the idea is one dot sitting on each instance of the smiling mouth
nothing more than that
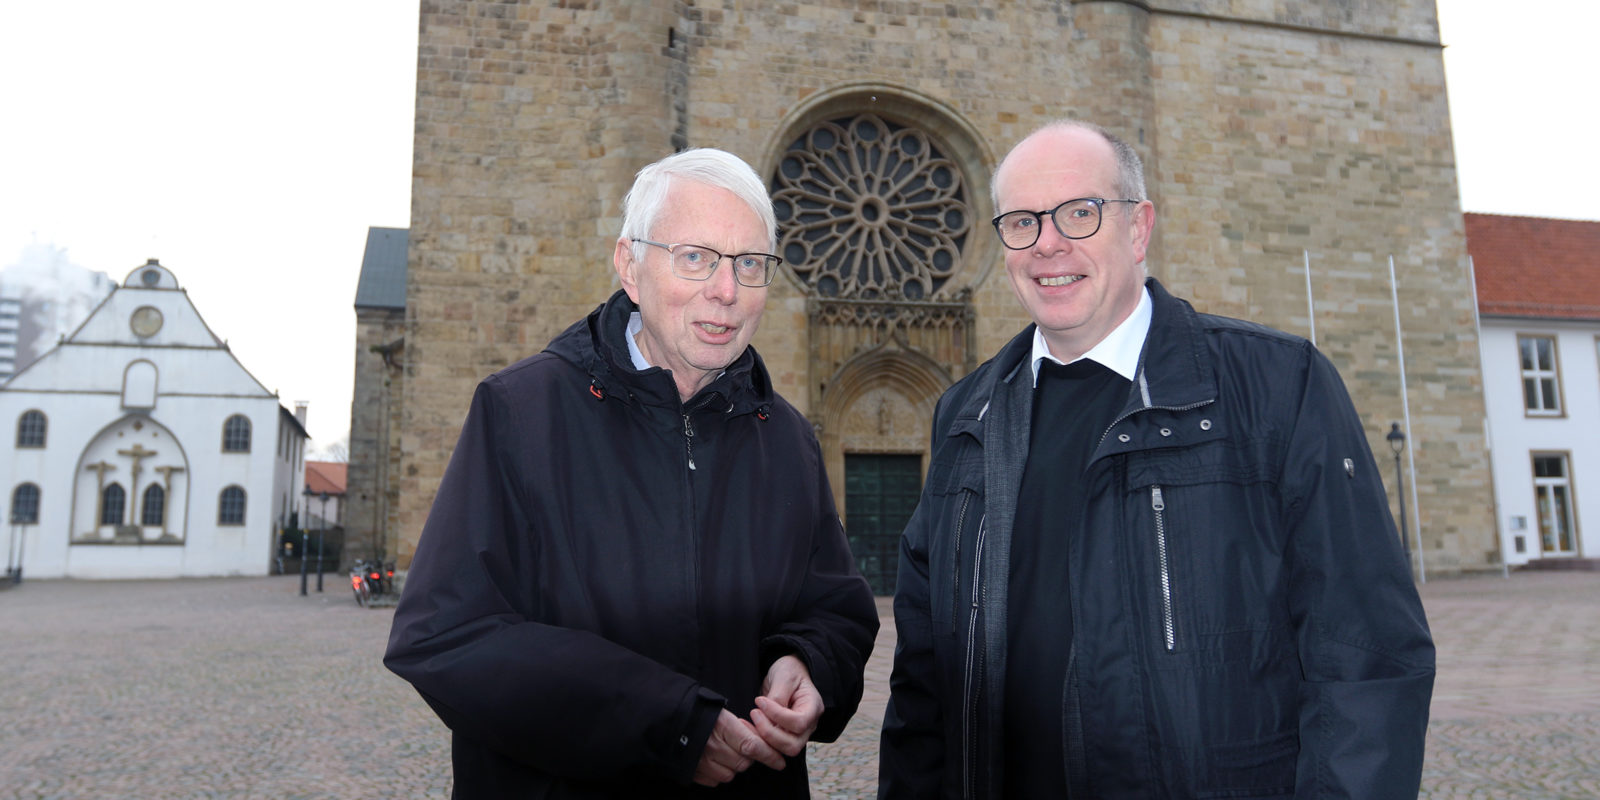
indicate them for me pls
(709, 328)
(1059, 280)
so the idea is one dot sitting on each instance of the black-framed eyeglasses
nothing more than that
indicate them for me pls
(696, 263)
(1074, 219)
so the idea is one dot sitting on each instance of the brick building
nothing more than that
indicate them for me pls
(1279, 136)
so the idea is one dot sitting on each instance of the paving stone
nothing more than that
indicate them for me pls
(240, 688)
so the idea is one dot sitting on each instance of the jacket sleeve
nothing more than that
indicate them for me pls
(1365, 649)
(911, 751)
(835, 620)
(565, 702)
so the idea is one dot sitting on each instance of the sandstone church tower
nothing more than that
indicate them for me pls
(1278, 134)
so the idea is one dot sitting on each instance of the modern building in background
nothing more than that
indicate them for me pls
(1538, 284)
(43, 297)
(142, 448)
(10, 322)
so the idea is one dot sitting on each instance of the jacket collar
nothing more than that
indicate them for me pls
(1174, 371)
(598, 345)
(1175, 368)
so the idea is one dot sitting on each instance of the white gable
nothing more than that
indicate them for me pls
(157, 314)
(144, 320)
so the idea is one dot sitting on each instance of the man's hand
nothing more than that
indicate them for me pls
(787, 711)
(733, 746)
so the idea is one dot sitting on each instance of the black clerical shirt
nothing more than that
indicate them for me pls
(1073, 404)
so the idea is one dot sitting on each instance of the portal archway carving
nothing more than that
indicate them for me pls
(881, 401)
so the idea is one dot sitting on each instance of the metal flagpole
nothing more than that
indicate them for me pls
(1488, 424)
(1411, 452)
(1311, 308)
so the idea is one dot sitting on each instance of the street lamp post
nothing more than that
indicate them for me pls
(305, 542)
(18, 524)
(1397, 443)
(322, 532)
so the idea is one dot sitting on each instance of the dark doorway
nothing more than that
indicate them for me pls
(880, 492)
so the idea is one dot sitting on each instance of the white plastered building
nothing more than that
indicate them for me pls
(142, 448)
(1538, 283)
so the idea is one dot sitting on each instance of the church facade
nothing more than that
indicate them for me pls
(1292, 150)
(142, 448)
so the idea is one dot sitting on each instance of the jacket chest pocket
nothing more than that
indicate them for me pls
(1205, 546)
(950, 517)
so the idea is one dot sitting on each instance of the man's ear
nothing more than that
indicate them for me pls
(622, 259)
(1144, 224)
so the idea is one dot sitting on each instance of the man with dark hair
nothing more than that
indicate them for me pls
(1153, 557)
(633, 579)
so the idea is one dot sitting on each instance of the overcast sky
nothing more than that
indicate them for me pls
(250, 146)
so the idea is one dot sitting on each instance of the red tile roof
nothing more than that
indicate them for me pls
(325, 476)
(1535, 267)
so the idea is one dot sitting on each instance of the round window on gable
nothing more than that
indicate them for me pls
(146, 320)
(150, 278)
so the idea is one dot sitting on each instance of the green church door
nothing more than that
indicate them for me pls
(880, 492)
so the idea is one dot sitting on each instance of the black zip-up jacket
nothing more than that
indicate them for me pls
(605, 568)
(1244, 621)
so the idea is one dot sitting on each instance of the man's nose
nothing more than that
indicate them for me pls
(723, 285)
(1050, 239)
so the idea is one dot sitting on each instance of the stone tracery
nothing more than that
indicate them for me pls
(869, 209)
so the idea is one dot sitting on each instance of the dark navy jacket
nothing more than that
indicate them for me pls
(1245, 622)
(605, 568)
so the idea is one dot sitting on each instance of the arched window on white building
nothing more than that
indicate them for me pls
(153, 510)
(25, 505)
(230, 507)
(31, 428)
(236, 434)
(113, 500)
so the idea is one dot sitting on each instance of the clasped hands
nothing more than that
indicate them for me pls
(782, 722)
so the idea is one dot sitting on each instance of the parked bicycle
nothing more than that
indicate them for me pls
(370, 578)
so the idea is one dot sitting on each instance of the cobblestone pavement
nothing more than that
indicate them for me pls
(240, 688)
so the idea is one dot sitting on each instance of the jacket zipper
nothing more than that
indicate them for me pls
(955, 561)
(1158, 504)
(688, 439)
(968, 724)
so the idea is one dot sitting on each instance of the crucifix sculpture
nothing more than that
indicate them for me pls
(137, 453)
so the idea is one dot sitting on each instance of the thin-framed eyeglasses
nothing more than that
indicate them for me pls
(696, 263)
(1074, 219)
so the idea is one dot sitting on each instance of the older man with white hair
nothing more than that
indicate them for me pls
(633, 581)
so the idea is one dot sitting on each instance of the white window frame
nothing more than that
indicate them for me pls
(1548, 486)
(1540, 374)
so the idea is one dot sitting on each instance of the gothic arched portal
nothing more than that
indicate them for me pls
(874, 444)
(881, 196)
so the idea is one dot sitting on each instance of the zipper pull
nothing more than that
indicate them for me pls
(1156, 502)
(688, 439)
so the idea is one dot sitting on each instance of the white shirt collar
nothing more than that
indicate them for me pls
(636, 324)
(1118, 352)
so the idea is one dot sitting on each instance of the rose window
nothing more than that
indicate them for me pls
(870, 210)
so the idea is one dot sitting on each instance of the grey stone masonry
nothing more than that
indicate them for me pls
(1276, 132)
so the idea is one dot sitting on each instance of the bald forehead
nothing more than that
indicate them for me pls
(1066, 150)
